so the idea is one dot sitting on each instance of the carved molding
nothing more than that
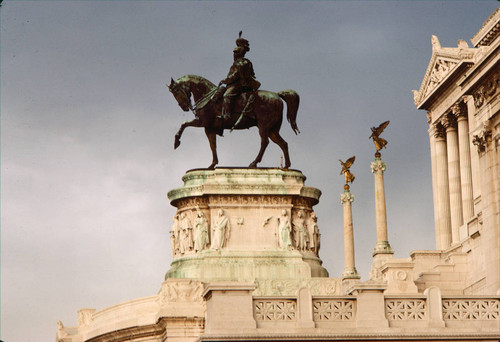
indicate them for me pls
(249, 200)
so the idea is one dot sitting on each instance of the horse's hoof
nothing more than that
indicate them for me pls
(177, 143)
(211, 167)
(253, 165)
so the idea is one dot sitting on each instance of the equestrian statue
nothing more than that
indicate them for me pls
(238, 105)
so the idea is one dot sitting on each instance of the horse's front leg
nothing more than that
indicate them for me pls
(212, 139)
(264, 141)
(193, 123)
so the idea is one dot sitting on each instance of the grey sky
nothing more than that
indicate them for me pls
(87, 131)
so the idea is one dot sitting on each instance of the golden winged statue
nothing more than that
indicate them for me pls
(377, 140)
(349, 177)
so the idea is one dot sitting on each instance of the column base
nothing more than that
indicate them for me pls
(350, 273)
(382, 247)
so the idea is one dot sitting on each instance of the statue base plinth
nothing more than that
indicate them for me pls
(269, 232)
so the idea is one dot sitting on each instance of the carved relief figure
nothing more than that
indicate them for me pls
(220, 230)
(174, 235)
(313, 232)
(284, 230)
(300, 231)
(201, 231)
(186, 234)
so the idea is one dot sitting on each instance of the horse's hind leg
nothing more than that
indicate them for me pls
(276, 138)
(264, 141)
(212, 139)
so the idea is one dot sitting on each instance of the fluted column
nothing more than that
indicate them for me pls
(382, 247)
(455, 186)
(460, 112)
(434, 182)
(350, 271)
(443, 193)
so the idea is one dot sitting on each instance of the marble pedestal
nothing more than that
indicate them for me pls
(256, 207)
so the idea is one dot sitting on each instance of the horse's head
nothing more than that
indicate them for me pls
(182, 95)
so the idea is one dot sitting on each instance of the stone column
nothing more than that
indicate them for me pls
(382, 247)
(350, 271)
(435, 196)
(455, 186)
(460, 112)
(443, 192)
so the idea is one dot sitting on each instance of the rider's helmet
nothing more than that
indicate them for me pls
(242, 43)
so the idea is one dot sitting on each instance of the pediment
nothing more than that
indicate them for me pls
(444, 63)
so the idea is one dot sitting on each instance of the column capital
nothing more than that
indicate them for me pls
(449, 121)
(346, 198)
(459, 110)
(378, 166)
(438, 131)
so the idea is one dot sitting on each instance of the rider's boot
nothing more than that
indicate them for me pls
(226, 108)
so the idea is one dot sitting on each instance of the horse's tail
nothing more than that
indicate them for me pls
(292, 100)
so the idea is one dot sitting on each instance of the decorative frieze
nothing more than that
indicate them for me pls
(405, 309)
(181, 290)
(471, 309)
(489, 89)
(249, 200)
(439, 72)
(289, 287)
(275, 310)
(333, 310)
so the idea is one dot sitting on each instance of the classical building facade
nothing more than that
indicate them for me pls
(246, 242)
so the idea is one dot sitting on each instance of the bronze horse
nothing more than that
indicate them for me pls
(264, 110)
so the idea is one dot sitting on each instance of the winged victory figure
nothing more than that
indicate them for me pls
(377, 140)
(349, 177)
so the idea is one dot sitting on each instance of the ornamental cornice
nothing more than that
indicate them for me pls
(489, 31)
